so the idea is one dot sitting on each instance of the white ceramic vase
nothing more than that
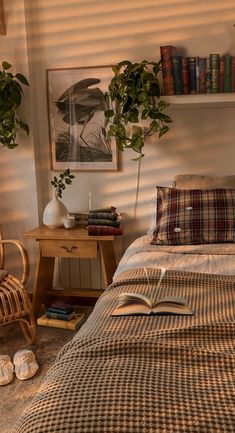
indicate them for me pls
(54, 213)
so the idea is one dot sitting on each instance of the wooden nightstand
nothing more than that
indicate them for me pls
(70, 243)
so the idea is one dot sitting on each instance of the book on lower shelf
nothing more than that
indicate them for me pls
(72, 324)
(136, 304)
(59, 315)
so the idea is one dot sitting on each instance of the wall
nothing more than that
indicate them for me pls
(17, 173)
(89, 33)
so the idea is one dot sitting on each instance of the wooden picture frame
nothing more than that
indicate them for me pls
(77, 99)
(2, 19)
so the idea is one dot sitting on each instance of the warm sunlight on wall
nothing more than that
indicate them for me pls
(90, 33)
(45, 34)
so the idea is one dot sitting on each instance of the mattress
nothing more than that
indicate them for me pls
(146, 374)
(212, 259)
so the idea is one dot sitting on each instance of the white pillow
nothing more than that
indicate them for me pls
(200, 181)
(153, 216)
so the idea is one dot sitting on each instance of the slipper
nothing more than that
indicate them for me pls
(25, 364)
(6, 370)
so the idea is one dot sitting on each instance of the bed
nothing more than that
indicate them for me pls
(149, 374)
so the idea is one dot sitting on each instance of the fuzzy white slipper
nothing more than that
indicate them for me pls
(25, 364)
(6, 370)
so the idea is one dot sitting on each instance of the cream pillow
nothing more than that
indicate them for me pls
(200, 181)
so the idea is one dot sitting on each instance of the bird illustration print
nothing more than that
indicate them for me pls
(78, 105)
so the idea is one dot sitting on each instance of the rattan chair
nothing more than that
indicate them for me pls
(15, 304)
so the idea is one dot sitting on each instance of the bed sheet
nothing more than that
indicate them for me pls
(212, 259)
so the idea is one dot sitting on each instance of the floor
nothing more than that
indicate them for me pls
(16, 395)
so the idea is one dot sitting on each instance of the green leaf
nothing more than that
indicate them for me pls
(24, 126)
(138, 157)
(154, 126)
(109, 113)
(133, 116)
(124, 63)
(6, 65)
(163, 130)
(145, 113)
(22, 79)
(165, 118)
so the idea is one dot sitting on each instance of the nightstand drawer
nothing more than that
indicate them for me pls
(67, 248)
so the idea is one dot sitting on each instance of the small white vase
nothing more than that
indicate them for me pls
(54, 213)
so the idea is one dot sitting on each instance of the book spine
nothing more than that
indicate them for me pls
(59, 316)
(192, 75)
(61, 305)
(60, 311)
(221, 76)
(97, 222)
(202, 75)
(184, 71)
(103, 215)
(176, 75)
(94, 230)
(105, 209)
(233, 73)
(167, 52)
(208, 75)
(197, 73)
(215, 68)
(227, 73)
(55, 323)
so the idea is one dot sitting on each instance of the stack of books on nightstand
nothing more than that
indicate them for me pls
(61, 315)
(105, 221)
(80, 217)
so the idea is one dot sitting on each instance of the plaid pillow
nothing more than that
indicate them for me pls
(194, 216)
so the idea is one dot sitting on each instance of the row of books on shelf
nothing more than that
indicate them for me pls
(193, 75)
(61, 315)
(100, 222)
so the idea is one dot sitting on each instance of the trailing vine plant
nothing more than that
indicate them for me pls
(135, 96)
(11, 93)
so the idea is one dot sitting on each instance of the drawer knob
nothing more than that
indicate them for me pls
(69, 249)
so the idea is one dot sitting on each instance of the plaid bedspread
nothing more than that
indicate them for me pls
(146, 374)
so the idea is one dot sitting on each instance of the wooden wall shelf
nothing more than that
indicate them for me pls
(200, 100)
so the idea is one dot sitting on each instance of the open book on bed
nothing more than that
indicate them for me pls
(134, 303)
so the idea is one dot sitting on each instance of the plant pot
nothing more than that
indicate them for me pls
(54, 213)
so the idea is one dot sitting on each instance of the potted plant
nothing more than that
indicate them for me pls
(56, 211)
(11, 93)
(134, 92)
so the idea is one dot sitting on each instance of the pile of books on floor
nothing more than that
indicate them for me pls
(61, 315)
(191, 75)
(105, 221)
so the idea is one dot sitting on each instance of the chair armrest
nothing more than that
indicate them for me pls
(24, 256)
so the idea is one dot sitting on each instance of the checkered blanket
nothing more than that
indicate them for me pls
(146, 374)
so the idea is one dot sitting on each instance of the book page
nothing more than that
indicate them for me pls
(128, 310)
(172, 308)
(173, 299)
(133, 298)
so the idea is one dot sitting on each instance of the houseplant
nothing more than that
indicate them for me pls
(56, 211)
(11, 93)
(134, 92)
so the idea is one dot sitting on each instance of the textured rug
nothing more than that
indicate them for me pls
(16, 395)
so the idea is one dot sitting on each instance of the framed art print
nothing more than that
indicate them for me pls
(77, 100)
